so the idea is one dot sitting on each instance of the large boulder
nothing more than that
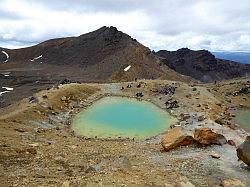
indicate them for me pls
(176, 137)
(206, 136)
(243, 151)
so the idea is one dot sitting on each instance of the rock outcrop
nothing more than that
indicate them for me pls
(206, 136)
(176, 137)
(202, 65)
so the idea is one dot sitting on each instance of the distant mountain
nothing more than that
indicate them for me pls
(242, 57)
(202, 65)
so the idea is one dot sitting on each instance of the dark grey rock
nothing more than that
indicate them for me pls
(243, 152)
(33, 99)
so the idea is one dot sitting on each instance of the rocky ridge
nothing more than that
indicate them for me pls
(202, 65)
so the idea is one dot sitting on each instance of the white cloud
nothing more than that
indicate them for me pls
(170, 24)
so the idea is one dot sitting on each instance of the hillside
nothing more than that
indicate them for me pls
(39, 147)
(202, 65)
(98, 56)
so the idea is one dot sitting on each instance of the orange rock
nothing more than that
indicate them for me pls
(231, 142)
(176, 137)
(207, 136)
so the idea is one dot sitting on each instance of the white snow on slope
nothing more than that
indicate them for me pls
(32, 60)
(6, 74)
(127, 68)
(7, 89)
(1, 93)
(38, 57)
(7, 56)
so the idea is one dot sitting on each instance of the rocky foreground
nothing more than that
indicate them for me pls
(38, 147)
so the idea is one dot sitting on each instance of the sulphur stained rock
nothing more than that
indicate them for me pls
(63, 98)
(243, 151)
(176, 137)
(207, 136)
(66, 184)
(232, 183)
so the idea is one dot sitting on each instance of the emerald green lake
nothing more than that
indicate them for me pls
(243, 119)
(122, 117)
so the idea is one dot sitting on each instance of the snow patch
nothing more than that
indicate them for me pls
(6, 74)
(127, 68)
(1, 93)
(7, 56)
(7, 88)
(36, 58)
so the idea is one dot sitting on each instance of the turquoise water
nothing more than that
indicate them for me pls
(243, 119)
(121, 117)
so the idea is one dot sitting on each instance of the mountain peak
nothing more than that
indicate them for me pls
(184, 50)
(106, 36)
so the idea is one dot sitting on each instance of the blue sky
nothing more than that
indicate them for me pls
(215, 25)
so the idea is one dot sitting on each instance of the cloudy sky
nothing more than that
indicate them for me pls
(216, 25)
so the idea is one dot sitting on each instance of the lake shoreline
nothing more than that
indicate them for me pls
(242, 117)
(107, 102)
(40, 134)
